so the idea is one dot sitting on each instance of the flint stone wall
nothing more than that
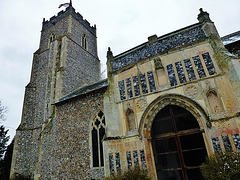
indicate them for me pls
(163, 44)
(70, 153)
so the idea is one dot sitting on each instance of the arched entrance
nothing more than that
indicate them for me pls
(178, 144)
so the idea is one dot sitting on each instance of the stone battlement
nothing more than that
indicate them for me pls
(62, 14)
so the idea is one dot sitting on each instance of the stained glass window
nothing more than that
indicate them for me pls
(118, 162)
(143, 83)
(129, 159)
(236, 140)
(199, 66)
(189, 68)
(111, 163)
(143, 159)
(151, 81)
(180, 71)
(216, 145)
(136, 85)
(135, 158)
(171, 75)
(209, 63)
(121, 89)
(227, 143)
(129, 88)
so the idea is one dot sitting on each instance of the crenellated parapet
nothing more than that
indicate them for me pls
(84, 22)
(62, 14)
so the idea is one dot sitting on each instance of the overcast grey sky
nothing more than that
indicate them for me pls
(121, 24)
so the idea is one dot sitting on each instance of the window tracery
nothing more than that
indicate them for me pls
(97, 134)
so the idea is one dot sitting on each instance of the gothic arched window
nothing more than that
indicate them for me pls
(131, 125)
(84, 41)
(97, 133)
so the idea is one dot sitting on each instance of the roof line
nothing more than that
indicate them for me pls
(159, 38)
(84, 90)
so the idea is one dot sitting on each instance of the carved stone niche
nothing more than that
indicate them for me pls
(158, 63)
(130, 120)
(215, 102)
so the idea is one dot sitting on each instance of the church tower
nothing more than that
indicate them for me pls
(66, 59)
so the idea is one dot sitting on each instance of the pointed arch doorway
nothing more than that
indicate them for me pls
(178, 144)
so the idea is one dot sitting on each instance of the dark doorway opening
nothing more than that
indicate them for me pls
(178, 144)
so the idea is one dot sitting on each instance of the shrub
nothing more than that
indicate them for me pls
(17, 176)
(222, 166)
(131, 174)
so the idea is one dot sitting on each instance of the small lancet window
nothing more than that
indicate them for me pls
(214, 102)
(84, 41)
(97, 134)
(130, 120)
(52, 37)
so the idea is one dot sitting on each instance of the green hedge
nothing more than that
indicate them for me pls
(131, 174)
(17, 176)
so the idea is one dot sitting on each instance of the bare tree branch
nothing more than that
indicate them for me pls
(3, 111)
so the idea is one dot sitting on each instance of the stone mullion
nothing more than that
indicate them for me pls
(204, 66)
(133, 164)
(139, 82)
(176, 73)
(139, 159)
(185, 71)
(125, 88)
(232, 143)
(132, 87)
(99, 153)
(147, 81)
(194, 68)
